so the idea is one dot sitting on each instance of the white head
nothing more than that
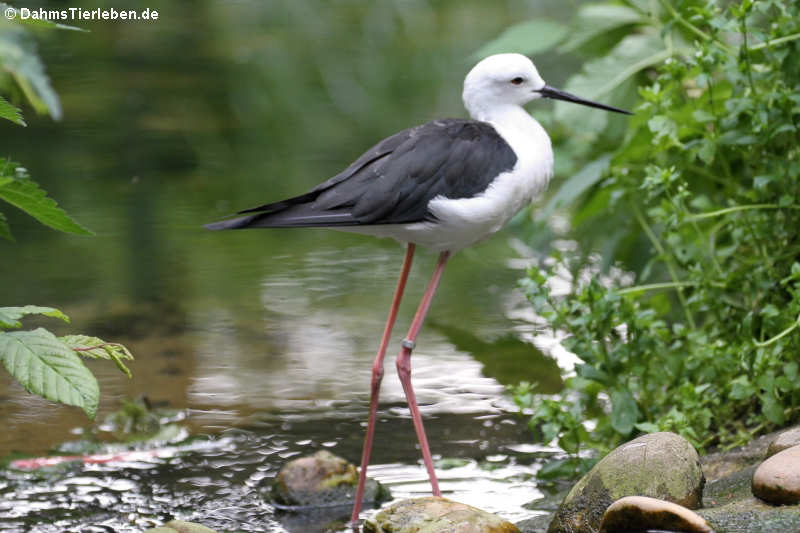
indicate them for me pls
(504, 80)
(500, 80)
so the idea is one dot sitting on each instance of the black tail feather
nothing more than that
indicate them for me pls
(233, 223)
(297, 216)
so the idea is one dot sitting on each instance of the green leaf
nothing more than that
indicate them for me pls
(599, 78)
(20, 191)
(9, 316)
(664, 127)
(701, 115)
(18, 56)
(10, 112)
(577, 184)
(624, 411)
(37, 22)
(646, 427)
(594, 20)
(772, 409)
(99, 349)
(48, 367)
(529, 37)
(740, 388)
(790, 370)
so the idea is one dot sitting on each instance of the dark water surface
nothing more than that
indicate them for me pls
(263, 340)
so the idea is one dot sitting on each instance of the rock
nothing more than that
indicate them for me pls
(535, 524)
(784, 440)
(659, 465)
(436, 515)
(159, 529)
(777, 480)
(322, 479)
(732, 508)
(640, 513)
(720, 464)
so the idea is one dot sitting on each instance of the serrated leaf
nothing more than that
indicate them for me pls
(22, 192)
(599, 78)
(594, 20)
(18, 56)
(9, 316)
(11, 112)
(529, 37)
(46, 366)
(96, 348)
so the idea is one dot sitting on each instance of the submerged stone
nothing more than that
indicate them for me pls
(180, 526)
(659, 465)
(436, 515)
(777, 480)
(640, 513)
(321, 480)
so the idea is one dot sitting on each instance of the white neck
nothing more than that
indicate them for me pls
(495, 113)
(527, 138)
(515, 125)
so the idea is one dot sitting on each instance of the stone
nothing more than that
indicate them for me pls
(321, 479)
(659, 465)
(785, 439)
(777, 480)
(720, 464)
(730, 507)
(640, 513)
(436, 515)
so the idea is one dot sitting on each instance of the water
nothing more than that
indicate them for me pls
(263, 340)
(223, 481)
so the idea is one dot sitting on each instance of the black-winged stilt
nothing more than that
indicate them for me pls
(444, 185)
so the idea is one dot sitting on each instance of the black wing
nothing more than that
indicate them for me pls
(393, 182)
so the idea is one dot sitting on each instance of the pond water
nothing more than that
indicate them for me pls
(262, 340)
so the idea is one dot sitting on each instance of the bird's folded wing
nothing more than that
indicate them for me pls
(393, 182)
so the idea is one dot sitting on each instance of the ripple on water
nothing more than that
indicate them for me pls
(222, 482)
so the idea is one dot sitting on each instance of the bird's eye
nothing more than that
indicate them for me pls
(517, 80)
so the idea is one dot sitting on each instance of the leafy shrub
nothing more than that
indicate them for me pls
(44, 364)
(699, 197)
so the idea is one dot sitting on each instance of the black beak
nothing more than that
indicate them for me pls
(550, 92)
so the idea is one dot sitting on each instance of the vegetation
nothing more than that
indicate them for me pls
(698, 196)
(44, 364)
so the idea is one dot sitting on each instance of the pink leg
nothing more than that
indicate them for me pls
(404, 368)
(377, 376)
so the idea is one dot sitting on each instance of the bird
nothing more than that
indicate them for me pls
(444, 185)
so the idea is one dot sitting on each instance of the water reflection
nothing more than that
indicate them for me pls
(174, 124)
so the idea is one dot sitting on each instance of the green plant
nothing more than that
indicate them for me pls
(699, 198)
(44, 364)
